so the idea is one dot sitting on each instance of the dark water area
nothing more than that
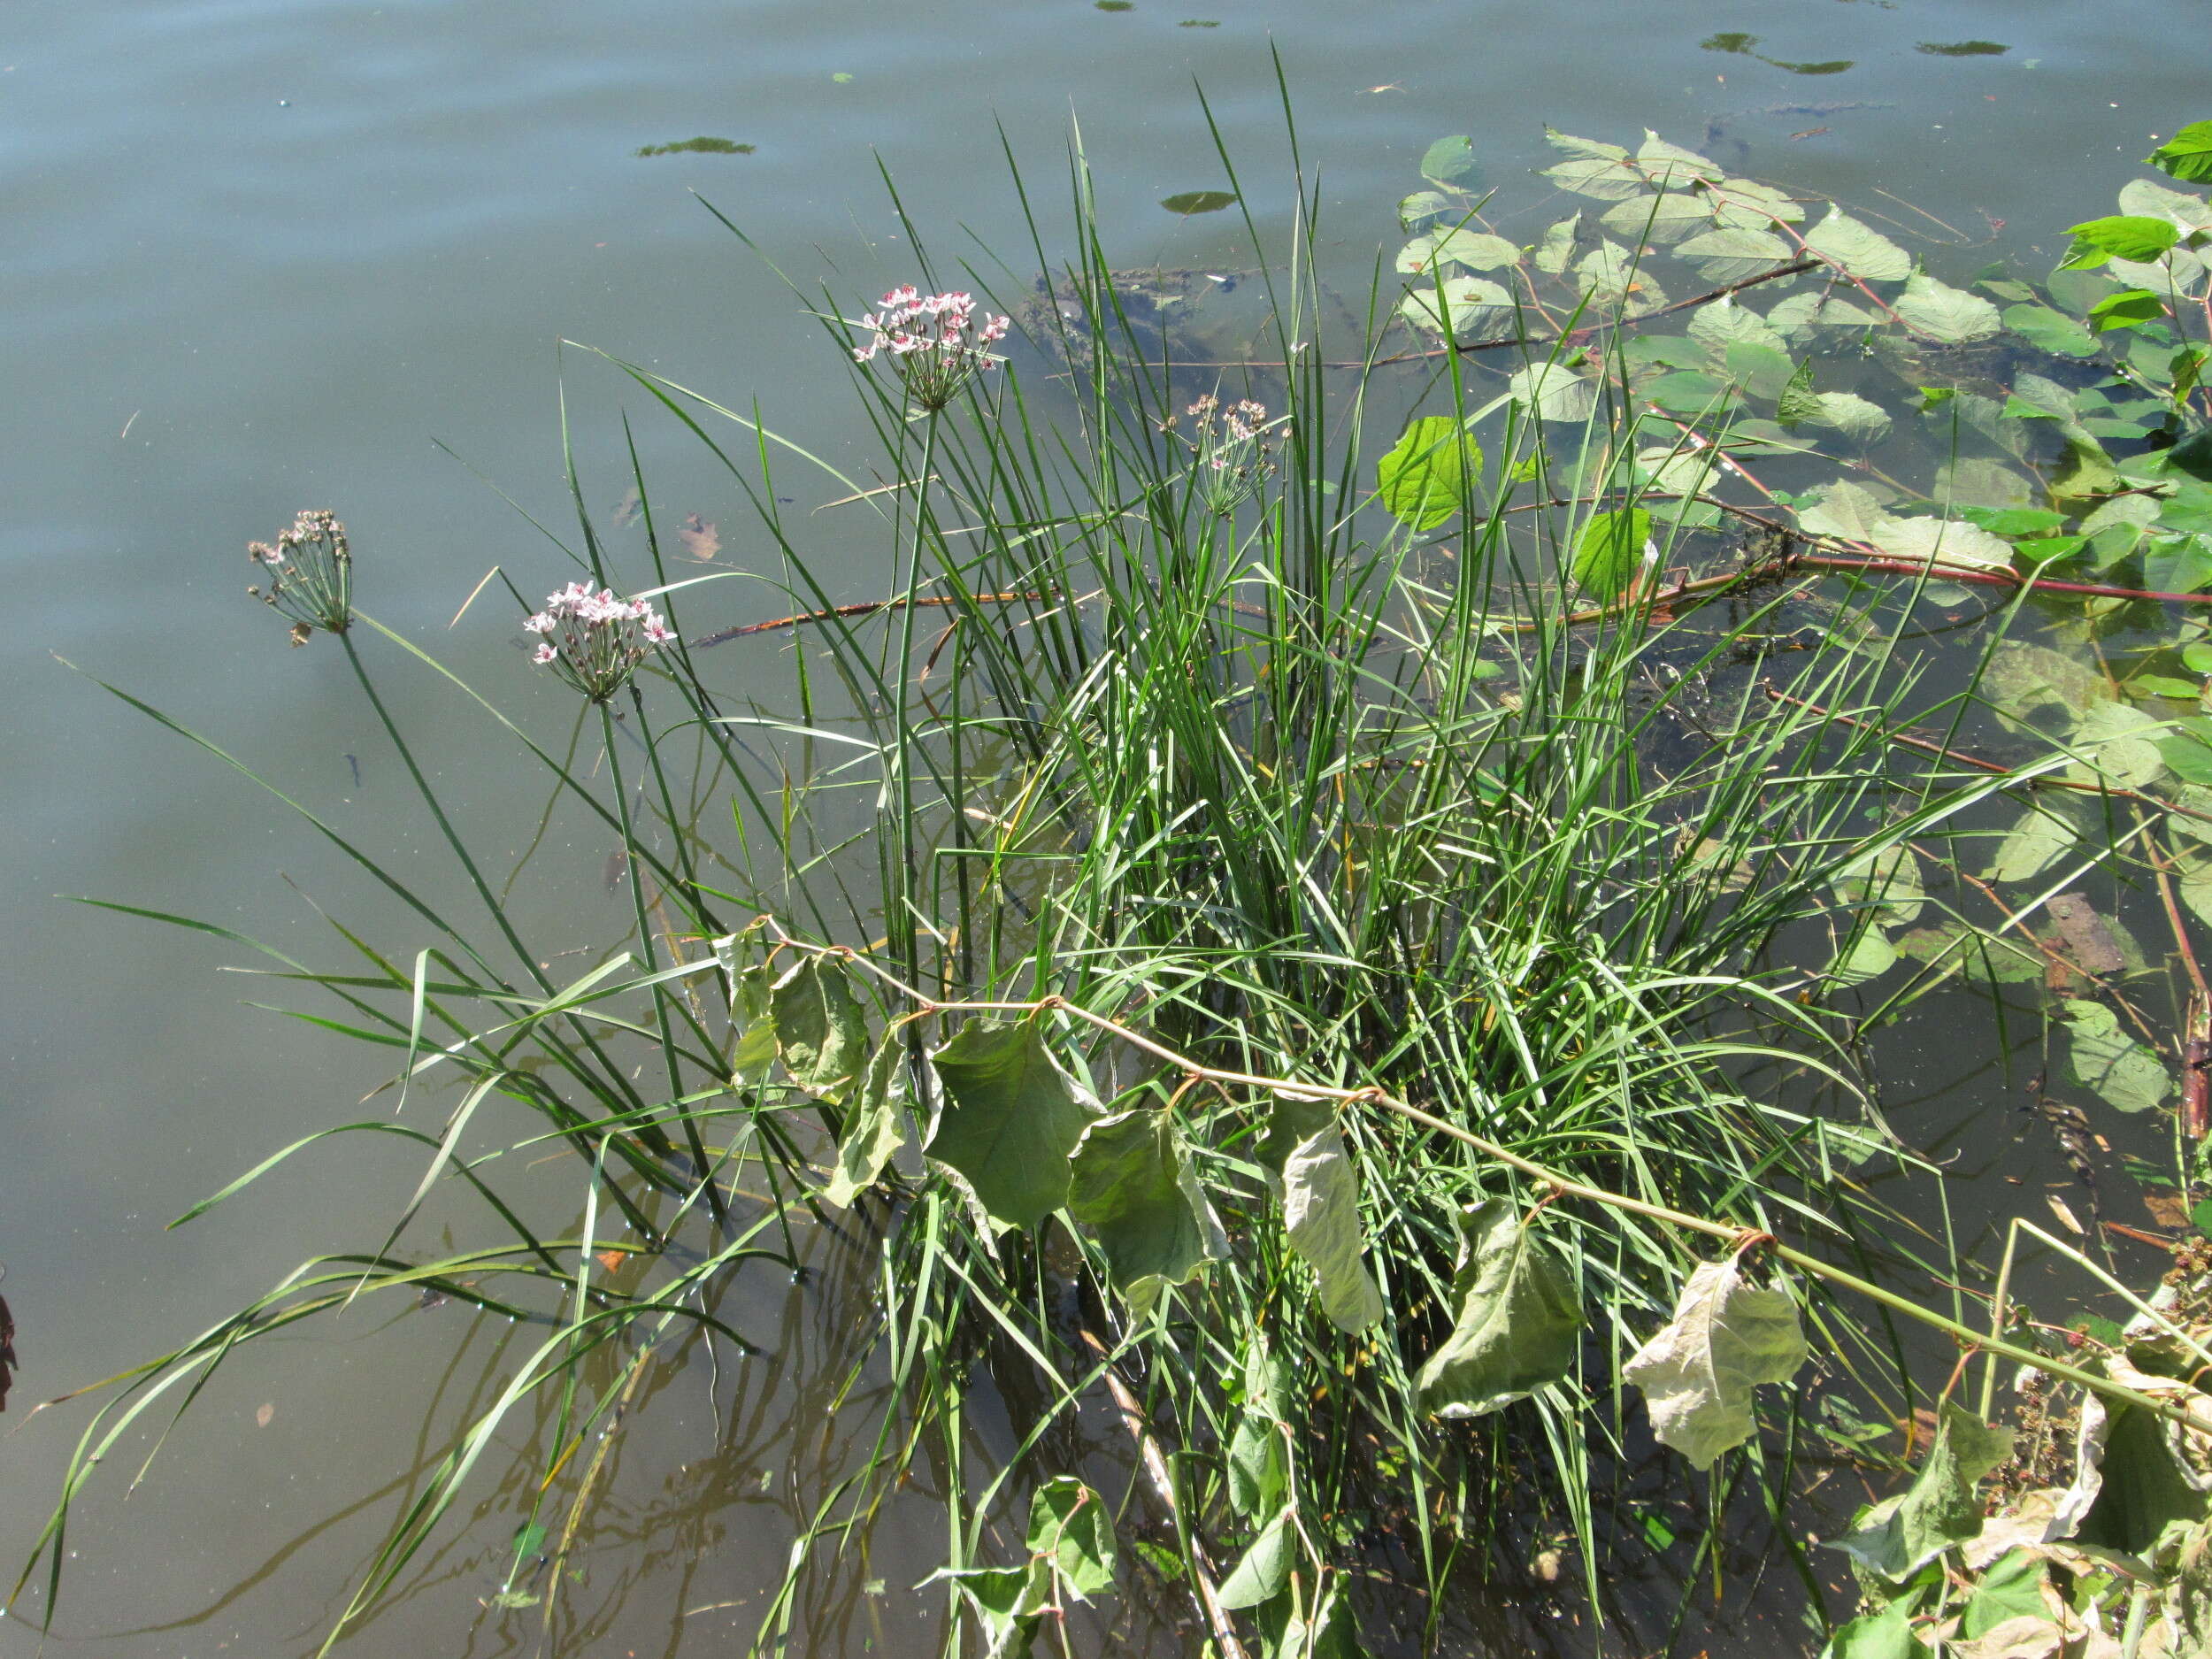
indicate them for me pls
(269, 254)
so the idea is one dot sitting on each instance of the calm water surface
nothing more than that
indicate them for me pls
(265, 254)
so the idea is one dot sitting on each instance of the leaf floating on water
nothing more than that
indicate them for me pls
(1962, 49)
(701, 538)
(1472, 306)
(1200, 201)
(1130, 1181)
(699, 147)
(625, 511)
(1902, 1534)
(1889, 879)
(2042, 836)
(1698, 1373)
(2104, 1058)
(1553, 391)
(1517, 1318)
(1861, 252)
(1948, 316)
(1476, 251)
(1321, 1214)
(1868, 956)
(1448, 160)
(1011, 1118)
(2114, 742)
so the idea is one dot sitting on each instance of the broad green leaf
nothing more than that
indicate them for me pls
(1619, 279)
(1732, 255)
(750, 1017)
(2130, 308)
(1659, 219)
(1723, 324)
(1897, 1537)
(1672, 165)
(875, 1122)
(1583, 148)
(1421, 206)
(1762, 370)
(2039, 840)
(1472, 306)
(1556, 246)
(1857, 251)
(1726, 1338)
(1321, 1214)
(1606, 180)
(1863, 422)
(2128, 236)
(2187, 155)
(2187, 210)
(1977, 482)
(2118, 743)
(1011, 1118)
(1868, 955)
(2086, 474)
(1798, 312)
(1473, 250)
(1426, 476)
(1887, 1635)
(1130, 1182)
(1799, 401)
(1265, 1568)
(1951, 541)
(1888, 881)
(2108, 1060)
(1676, 470)
(1611, 551)
(2009, 1587)
(820, 1031)
(1449, 159)
(1946, 315)
(1071, 1531)
(1746, 202)
(1846, 510)
(1258, 1466)
(1554, 392)
(2050, 330)
(1516, 1320)
(2021, 679)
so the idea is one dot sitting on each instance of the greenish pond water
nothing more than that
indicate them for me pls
(268, 254)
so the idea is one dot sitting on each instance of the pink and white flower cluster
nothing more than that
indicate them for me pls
(1235, 453)
(935, 341)
(593, 640)
(310, 573)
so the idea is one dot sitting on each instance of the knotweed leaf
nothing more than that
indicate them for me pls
(1948, 316)
(1671, 165)
(1887, 1635)
(1947, 540)
(1598, 176)
(1897, 1537)
(1613, 549)
(2040, 837)
(1011, 1118)
(2107, 1059)
(820, 1031)
(1130, 1181)
(1426, 476)
(2135, 238)
(1858, 252)
(1888, 879)
(1449, 159)
(1517, 1323)
(1553, 391)
(1474, 250)
(2187, 155)
(1868, 956)
(1265, 1568)
(1725, 1338)
(1846, 510)
(1556, 246)
(2117, 743)
(1728, 255)
(1469, 305)
(1585, 148)
(875, 1123)
(1321, 1214)
(751, 1017)
(1723, 324)
(1660, 219)
(1259, 1466)
(1422, 205)
(1071, 1528)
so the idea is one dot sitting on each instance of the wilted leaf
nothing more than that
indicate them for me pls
(1130, 1181)
(1011, 1118)
(1698, 1373)
(1516, 1320)
(820, 1032)
(875, 1122)
(1946, 315)
(1321, 1214)
(1861, 252)
(1896, 1537)
(1426, 476)
(1611, 551)
(699, 539)
(2107, 1059)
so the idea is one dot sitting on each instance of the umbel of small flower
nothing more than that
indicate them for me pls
(594, 641)
(1234, 454)
(309, 572)
(934, 342)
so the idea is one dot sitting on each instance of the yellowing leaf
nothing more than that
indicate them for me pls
(1697, 1374)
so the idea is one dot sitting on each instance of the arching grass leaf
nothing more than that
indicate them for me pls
(1427, 475)
(1725, 1338)
(875, 1123)
(1612, 551)
(1517, 1318)
(820, 1031)
(1011, 1118)
(2107, 1059)
(1130, 1181)
(1897, 1537)
(1321, 1214)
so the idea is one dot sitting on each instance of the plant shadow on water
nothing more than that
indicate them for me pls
(1300, 1034)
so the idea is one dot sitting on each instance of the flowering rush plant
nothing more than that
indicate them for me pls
(1234, 454)
(594, 641)
(934, 342)
(311, 575)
